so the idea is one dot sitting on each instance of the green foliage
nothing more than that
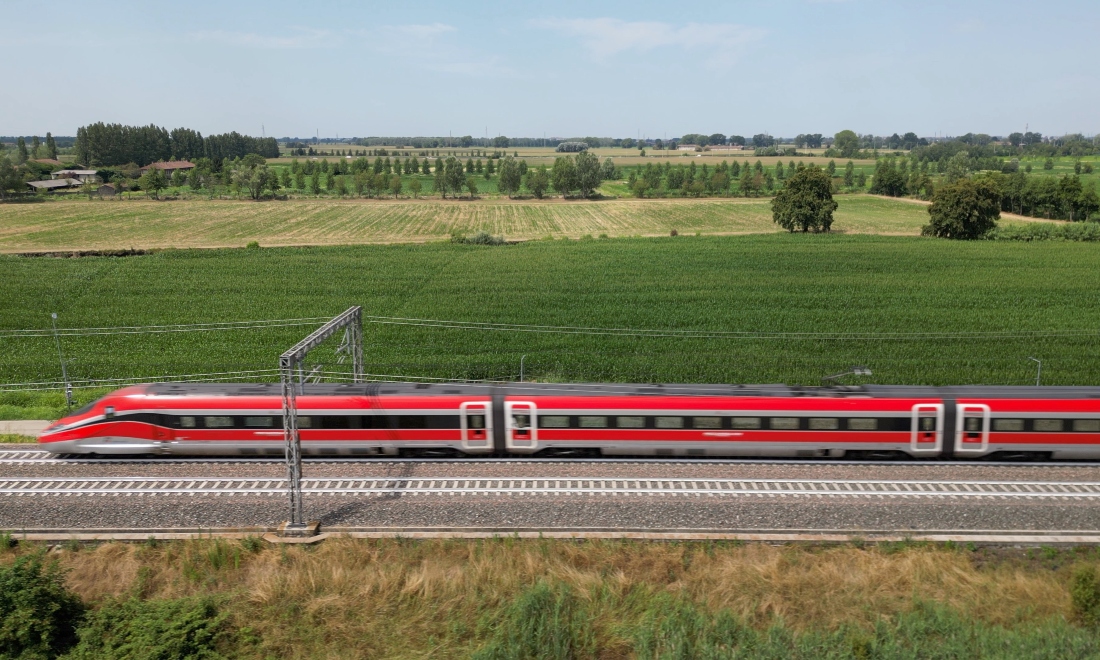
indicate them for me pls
(806, 202)
(480, 238)
(186, 628)
(538, 181)
(546, 622)
(846, 143)
(966, 209)
(1085, 594)
(1047, 231)
(38, 614)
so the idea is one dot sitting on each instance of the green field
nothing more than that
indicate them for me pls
(753, 284)
(79, 224)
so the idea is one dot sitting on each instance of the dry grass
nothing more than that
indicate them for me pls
(367, 598)
(77, 224)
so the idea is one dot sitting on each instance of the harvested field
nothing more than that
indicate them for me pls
(78, 224)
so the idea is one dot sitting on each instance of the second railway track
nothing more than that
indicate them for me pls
(512, 486)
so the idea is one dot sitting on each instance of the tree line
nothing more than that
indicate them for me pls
(115, 144)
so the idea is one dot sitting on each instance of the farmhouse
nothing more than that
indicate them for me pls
(79, 175)
(169, 167)
(54, 184)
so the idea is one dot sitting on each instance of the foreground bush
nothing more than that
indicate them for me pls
(191, 628)
(38, 615)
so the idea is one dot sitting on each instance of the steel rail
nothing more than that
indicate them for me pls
(564, 486)
(31, 457)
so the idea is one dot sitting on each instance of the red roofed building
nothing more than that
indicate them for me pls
(169, 167)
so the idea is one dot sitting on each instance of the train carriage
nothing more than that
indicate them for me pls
(525, 419)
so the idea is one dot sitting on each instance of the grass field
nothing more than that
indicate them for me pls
(506, 598)
(780, 283)
(79, 224)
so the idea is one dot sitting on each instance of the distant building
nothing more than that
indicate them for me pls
(169, 167)
(79, 175)
(54, 184)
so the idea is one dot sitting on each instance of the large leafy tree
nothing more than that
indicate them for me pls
(965, 209)
(847, 143)
(563, 175)
(538, 180)
(588, 173)
(806, 203)
(510, 177)
(152, 182)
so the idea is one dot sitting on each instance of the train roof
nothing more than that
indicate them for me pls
(623, 389)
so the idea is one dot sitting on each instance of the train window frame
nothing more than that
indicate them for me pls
(746, 423)
(639, 424)
(1048, 425)
(824, 424)
(592, 421)
(670, 422)
(1079, 425)
(862, 424)
(559, 421)
(706, 422)
(252, 421)
(219, 422)
(784, 423)
(1009, 425)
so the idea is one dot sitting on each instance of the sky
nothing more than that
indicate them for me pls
(559, 69)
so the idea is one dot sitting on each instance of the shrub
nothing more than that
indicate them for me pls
(544, 622)
(1046, 231)
(191, 628)
(966, 209)
(38, 615)
(480, 238)
(1085, 593)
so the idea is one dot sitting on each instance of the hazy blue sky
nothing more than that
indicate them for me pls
(561, 68)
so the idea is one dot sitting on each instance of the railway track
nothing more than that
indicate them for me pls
(32, 457)
(482, 486)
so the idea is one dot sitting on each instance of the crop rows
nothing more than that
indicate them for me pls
(777, 283)
(83, 225)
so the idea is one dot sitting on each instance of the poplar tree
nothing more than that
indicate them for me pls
(850, 174)
(51, 147)
(35, 144)
(21, 147)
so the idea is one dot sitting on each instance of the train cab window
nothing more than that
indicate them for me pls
(630, 422)
(824, 423)
(219, 422)
(862, 424)
(593, 422)
(784, 423)
(1086, 425)
(706, 422)
(259, 422)
(1048, 425)
(746, 422)
(669, 422)
(1008, 425)
(187, 422)
(552, 421)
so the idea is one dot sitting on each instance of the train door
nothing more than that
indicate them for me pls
(476, 422)
(521, 429)
(972, 428)
(927, 429)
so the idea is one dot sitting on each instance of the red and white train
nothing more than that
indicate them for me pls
(525, 419)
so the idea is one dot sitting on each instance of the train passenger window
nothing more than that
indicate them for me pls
(706, 422)
(1086, 425)
(1049, 425)
(217, 422)
(784, 423)
(264, 422)
(862, 424)
(305, 422)
(554, 421)
(670, 423)
(593, 422)
(928, 424)
(335, 422)
(746, 422)
(187, 422)
(973, 424)
(824, 423)
(521, 421)
(630, 422)
(412, 422)
(1008, 425)
(478, 421)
